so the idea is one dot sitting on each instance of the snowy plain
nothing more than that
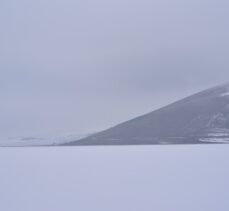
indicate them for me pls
(115, 178)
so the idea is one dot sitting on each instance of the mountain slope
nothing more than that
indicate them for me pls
(203, 117)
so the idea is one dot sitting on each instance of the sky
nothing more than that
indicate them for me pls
(82, 66)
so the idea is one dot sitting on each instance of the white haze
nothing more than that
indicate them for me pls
(82, 66)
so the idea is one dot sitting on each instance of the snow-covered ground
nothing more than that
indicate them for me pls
(115, 178)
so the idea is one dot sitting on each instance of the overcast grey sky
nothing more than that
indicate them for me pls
(77, 66)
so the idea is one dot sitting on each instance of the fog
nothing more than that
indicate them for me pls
(83, 66)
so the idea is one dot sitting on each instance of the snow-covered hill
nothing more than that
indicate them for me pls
(200, 118)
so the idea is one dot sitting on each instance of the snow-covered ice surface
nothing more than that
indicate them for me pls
(115, 178)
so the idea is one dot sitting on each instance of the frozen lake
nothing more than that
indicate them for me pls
(115, 178)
